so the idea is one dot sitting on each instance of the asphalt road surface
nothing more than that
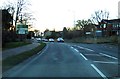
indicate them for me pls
(70, 60)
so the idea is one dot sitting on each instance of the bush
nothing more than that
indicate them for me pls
(114, 39)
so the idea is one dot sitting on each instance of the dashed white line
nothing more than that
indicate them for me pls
(105, 62)
(93, 54)
(89, 49)
(108, 56)
(80, 47)
(86, 48)
(72, 47)
(101, 74)
(76, 50)
(83, 56)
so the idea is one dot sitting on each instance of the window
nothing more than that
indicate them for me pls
(104, 25)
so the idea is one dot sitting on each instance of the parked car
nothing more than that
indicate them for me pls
(51, 40)
(45, 40)
(60, 40)
(38, 39)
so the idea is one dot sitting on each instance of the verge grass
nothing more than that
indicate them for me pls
(14, 60)
(14, 45)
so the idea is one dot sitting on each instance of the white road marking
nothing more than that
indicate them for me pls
(76, 50)
(72, 47)
(101, 74)
(43, 49)
(105, 62)
(83, 56)
(80, 47)
(108, 56)
(85, 48)
(89, 49)
(93, 54)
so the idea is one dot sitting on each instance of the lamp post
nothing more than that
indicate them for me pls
(41, 36)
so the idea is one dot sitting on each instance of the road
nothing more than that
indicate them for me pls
(70, 60)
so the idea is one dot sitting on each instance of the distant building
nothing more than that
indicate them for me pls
(47, 33)
(52, 34)
(119, 9)
(109, 27)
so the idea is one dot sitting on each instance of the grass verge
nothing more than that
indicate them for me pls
(14, 45)
(14, 60)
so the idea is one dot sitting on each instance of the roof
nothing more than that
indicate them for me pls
(111, 21)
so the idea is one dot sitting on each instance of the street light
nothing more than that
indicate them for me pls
(41, 36)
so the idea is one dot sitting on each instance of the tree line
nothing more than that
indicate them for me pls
(10, 16)
(83, 26)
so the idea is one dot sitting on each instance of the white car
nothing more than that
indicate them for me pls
(38, 39)
(51, 40)
(45, 40)
(60, 40)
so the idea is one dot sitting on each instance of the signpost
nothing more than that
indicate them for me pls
(21, 30)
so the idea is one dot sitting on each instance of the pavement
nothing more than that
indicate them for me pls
(70, 60)
(18, 50)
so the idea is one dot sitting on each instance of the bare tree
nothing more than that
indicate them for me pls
(21, 4)
(27, 17)
(17, 8)
(99, 15)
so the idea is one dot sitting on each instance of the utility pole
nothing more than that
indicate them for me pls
(41, 36)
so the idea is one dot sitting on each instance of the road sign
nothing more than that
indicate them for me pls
(22, 29)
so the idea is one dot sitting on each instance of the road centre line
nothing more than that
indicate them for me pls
(105, 62)
(72, 47)
(101, 74)
(80, 53)
(76, 50)
(83, 56)
(108, 56)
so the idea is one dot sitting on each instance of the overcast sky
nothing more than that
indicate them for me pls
(56, 14)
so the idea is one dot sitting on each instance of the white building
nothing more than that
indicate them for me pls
(119, 9)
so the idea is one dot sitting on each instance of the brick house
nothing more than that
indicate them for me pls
(109, 27)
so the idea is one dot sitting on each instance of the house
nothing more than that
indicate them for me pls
(52, 34)
(109, 27)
